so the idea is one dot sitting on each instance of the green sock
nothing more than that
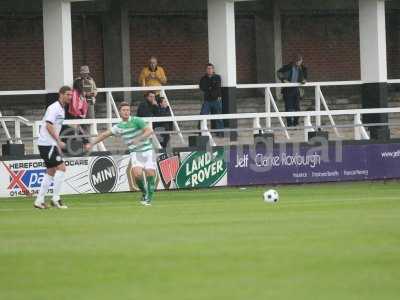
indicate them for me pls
(142, 186)
(151, 186)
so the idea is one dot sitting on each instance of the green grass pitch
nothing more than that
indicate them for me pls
(333, 241)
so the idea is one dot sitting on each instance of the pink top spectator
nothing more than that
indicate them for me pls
(78, 106)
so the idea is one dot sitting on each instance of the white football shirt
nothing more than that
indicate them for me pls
(55, 115)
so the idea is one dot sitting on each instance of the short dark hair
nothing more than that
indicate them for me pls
(122, 104)
(64, 89)
(149, 92)
(210, 65)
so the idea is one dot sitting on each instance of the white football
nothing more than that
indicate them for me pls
(271, 196)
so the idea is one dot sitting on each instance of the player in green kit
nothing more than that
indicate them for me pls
(136, 134)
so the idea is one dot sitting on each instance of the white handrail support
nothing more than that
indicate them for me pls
(206, 132)
(271, 97)
(109, 109)
(257, 126)
(359, 130)
(318, 104)
(307, 127)
(114, 106)
(322, 99)
(35, 136)
(176, 126)
(154, 138)
(5, 128)
(17, 131)
(267, 108)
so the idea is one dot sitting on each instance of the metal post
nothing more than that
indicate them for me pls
(176, 126)
(206, 132)
(331, 120)
(307, 127)
(17, 126)
(154, 138)
(256, 126)
(94, 132)
(268, 107)
(357, 122)
(318, 105)
(277, 110)
(35, 135)
(204, 127)
(361, 131)
(4, 125)
(114, 106)
(109, 110)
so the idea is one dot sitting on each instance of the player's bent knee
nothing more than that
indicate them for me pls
(150, 172)
(61, 168)
(137, 172)
(51, 171)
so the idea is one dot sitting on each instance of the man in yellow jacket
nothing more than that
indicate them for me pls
(153, 74)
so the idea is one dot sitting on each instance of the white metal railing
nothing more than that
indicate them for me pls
(270, 102)
(393, 81)
(111, 106)
(17, 121)
(5, 128)
(25, 92)
(176, 126)
(359, 129)
(76, 122)
(319, 99)
(271, 110)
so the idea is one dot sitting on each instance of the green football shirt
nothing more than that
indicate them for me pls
(131, 129)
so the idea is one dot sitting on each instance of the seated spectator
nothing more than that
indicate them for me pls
(210, 84)
(163, 111)
(153, 75)
(89, 90)
(294, 72)
(150, 107)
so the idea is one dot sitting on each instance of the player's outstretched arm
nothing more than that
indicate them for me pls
(100, 138)
(147, 132)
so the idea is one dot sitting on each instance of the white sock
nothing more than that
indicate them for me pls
(44, 187)
(58, 181)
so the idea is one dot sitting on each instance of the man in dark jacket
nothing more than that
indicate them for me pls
(210, 84)
(295, 72)
(150, 107)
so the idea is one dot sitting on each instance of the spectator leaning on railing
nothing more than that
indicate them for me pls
(153, 75)
(210, 84)
(295, 72)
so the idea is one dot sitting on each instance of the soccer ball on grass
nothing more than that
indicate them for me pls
(271, 196)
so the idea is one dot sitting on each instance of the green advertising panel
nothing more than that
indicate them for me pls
(201, 169)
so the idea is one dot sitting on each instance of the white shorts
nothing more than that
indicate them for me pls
(145, 160)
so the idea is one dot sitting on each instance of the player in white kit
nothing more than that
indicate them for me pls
(50, 149)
